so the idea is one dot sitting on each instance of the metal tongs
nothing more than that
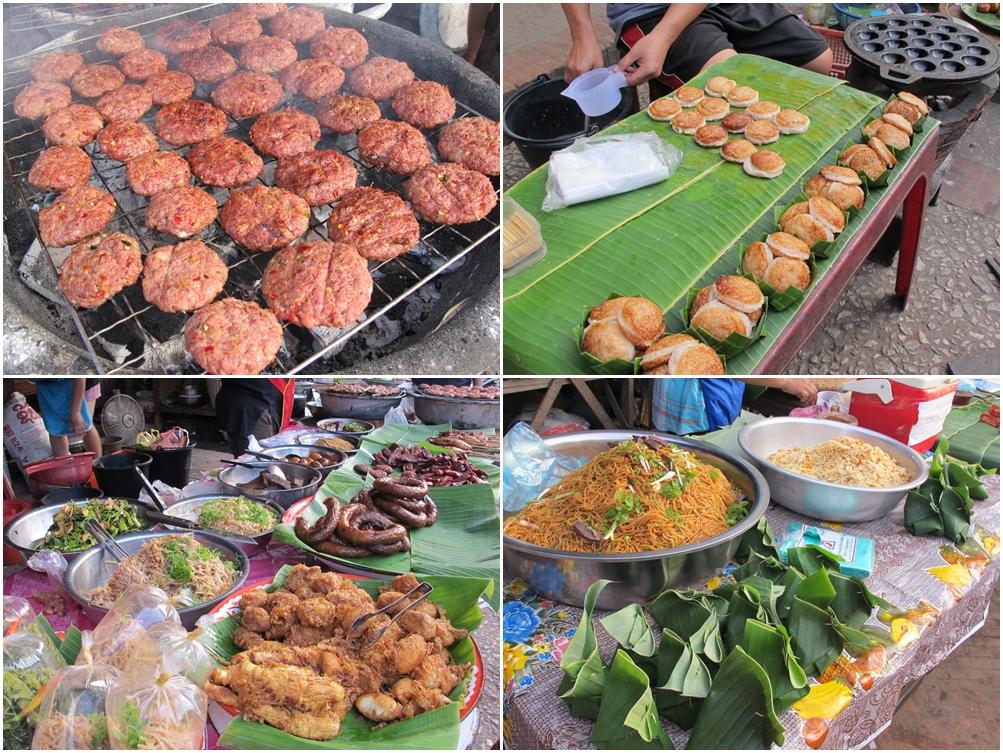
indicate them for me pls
(106, 541)
(357, 627)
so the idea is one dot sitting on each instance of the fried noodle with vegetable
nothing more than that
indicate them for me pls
(639, 496)
(238, 515)
(190, 572)
(68, 532)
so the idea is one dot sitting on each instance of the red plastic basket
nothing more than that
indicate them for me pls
(841, 58)
(69, 470)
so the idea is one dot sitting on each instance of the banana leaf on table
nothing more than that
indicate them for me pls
(662, 240)
(433, 730)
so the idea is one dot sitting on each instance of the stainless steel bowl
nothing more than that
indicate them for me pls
(462, 413)
(332, 425)
(303, 450)
(26, 531)
(313, 437)
(566, 576)
(357, 406)
(307, 480)
(191, 507)
(819, 499)
(91, 570)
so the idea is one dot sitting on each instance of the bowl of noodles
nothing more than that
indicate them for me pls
(196, 570)
(830, 470)
(245, 515)
(646, 510)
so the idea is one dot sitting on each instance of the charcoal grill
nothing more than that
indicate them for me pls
(413, 294)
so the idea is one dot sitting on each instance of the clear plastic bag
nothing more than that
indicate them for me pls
(530, 466)
(122, 638)
(17, 614)
(28, 664)
(606, 165)
(182, 651)
(167, 712)
(72, 714)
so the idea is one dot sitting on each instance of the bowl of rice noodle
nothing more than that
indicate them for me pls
(832, 471)
(643, 509)
(254, 517)
(196, 570)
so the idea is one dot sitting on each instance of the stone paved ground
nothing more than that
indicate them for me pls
(954, 305)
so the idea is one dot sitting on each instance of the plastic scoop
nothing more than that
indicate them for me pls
(597, 92)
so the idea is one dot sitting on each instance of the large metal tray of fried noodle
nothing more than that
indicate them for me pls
(412, 293)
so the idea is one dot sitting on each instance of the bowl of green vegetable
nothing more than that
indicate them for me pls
(245, 515)
(62, 528)
(353, 427)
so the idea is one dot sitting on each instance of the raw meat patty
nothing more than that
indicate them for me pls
(77, 213)
(233, 337)
(347, 114)
(153, 172)
(299, 24)
(118, 41)
(142, 64)
(263, 10)
(264, 218)
(126, 139)
(318, 284)
(182, 212)
(59, 167)
(424, 104)
(208, 64)
(378, 224)
(473, 142)
(320, 177)
(168, 87)
(181, 35)
(285, 133)
(314, 78)
(267, 54)
(234, 28)
(183, 277)
(42, 98)
(379, 77)
(98, 268)
(76, 125)
(189, 121)
(224, 162)
(247, 94)
(91, 81)
(344, 47)
(128, 102)
(397, 147)
(450, 194)
(57, 66)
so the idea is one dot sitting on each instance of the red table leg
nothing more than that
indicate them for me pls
(913, 209)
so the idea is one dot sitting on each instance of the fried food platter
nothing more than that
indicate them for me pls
(666, 239)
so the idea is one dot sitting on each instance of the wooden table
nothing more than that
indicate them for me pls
(623, 409)
(910, 195)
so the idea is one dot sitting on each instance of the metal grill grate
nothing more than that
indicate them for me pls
(135, 335)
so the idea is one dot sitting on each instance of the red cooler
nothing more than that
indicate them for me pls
(909, 409)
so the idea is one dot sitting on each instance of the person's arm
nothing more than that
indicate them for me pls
(645, 59)
(585, 53)
(477, 18)
(803, 389)
(77, 400)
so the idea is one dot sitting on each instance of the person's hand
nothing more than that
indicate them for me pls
(803, 389)
(645, 59)
(585, 55)
(78, 423)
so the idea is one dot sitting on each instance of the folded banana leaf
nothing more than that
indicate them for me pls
(663, 240)
(582, 647)
(759, 540)
(815, 643)
(678, 701)
(738, 712)
(628, 716)
(770, 645)
(586, 682)
(631, 630)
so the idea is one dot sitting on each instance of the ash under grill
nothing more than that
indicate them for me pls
(411, 293)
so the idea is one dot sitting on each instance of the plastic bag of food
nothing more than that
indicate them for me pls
(182, 650)
(165, 712)
(606, 165)
(28, 664)
(122, 638)
(72, 714)
(17, 614)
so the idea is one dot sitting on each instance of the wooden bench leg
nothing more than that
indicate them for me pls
(913, 210)
(546, 404)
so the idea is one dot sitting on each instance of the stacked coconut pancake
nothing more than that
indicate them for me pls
(706, 115)
(732, 304)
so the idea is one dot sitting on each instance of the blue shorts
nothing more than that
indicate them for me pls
(55, 397)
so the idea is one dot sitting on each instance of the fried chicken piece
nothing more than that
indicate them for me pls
(409, 653)
(245, 638)
(255, 618)
(299, 577)
(436, 672)
(316, 612)
(416, 698)
(404, 582)
(256, 598)
(379, 707)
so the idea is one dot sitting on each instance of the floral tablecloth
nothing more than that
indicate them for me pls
(943, 591)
